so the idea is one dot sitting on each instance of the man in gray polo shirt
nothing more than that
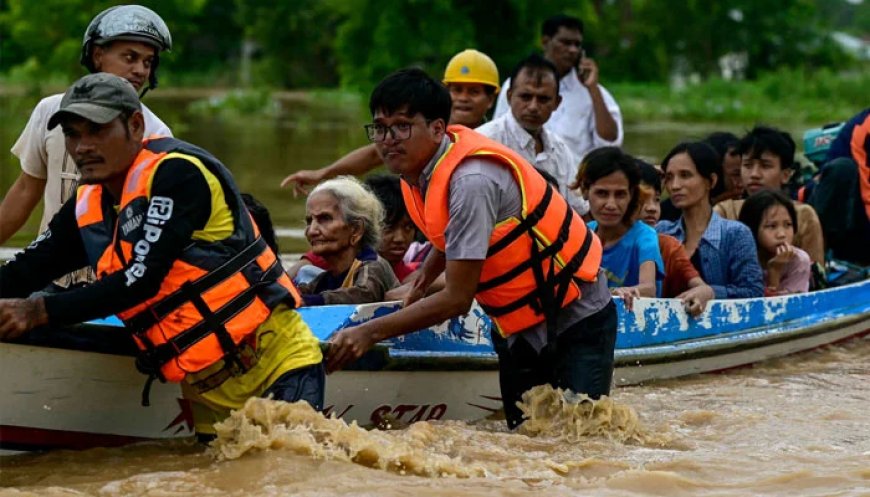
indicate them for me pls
(570, 344)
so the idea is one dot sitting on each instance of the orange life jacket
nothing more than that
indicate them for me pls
(533, 261)
(215, 295)
(858, 144)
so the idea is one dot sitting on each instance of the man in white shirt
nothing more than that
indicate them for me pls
(124, 40)
(533, 97)
(588, 117)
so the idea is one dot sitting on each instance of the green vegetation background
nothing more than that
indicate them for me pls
(794, 69)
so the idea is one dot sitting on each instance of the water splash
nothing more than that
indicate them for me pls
(558, 413)
(264, 424)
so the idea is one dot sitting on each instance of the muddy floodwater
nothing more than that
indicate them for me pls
(791, 426)
(794, 426)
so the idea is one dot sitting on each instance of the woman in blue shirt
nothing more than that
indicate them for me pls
(609, 179)
(722, 251)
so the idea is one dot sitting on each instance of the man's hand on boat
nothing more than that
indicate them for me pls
(346, 346)
(18, 316)
(455, 299)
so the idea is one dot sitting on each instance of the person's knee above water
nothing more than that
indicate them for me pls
(343, 225)
(173, 246)
(771, 217)
(399, 230)
(632, 261)
(472, 79)
(126, 41)
(681, 279)
(538, 280)
(588, 116)
(533, 96)
(767, 162)
(723, 251)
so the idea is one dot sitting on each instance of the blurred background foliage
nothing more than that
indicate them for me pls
(303, 44)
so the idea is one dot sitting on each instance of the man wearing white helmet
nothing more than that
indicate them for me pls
(125, 40)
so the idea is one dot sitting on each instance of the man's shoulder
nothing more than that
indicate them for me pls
(46, 107)
(153, 124)
(493, 129)
(729, 209)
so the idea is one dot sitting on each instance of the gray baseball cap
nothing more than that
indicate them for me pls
(98, 97)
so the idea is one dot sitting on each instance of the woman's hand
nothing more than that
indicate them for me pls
(695, 299)
(777, 264)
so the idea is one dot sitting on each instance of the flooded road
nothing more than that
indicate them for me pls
(792, 426)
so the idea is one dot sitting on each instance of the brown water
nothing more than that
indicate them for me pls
(793, 426)
(301, 132)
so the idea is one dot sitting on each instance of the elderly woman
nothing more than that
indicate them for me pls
(343, 226)
(722, 251)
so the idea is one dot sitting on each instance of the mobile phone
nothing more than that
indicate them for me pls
(584, 73)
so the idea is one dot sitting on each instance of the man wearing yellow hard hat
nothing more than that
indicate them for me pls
(472, 79)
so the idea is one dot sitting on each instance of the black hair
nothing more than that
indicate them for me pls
(766, 139)
(722, 141)
(754, 207)
(605, 161)
(706, 160)
(263, 219)
(388, 190)
(536, 64)
(552, 24)
(416, 90)
(649, 175)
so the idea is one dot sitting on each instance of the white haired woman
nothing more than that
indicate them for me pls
(343, 223)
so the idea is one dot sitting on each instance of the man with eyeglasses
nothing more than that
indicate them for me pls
(588, 117)
(502, 235)
(472, 79)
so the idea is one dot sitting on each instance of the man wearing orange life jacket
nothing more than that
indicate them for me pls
(504, 236)
(177, 257)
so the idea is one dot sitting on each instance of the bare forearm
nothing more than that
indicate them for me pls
(433, 266)
(605, 125)
(356, 163)
(18, 204)
(424, 313)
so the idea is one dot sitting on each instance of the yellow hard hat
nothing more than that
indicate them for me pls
(471, 66)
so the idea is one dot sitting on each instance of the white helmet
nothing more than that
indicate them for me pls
(131, 23)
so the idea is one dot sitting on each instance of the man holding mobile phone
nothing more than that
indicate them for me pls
(588, 116)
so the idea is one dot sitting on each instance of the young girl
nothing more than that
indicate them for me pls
(632, 262)
(771, 217)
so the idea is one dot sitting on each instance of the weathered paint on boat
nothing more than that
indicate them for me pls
(74, 399)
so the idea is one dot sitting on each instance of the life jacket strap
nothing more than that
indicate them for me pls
(154, 314)
(525, 226)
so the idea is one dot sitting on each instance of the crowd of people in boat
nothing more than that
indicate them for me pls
(539, 214)
(731, 227)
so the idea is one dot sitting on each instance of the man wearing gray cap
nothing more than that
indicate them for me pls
(177, 257)
(124, 40)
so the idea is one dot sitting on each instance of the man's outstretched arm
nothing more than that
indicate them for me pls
(356, 163)
(455, 299)
(19, 203)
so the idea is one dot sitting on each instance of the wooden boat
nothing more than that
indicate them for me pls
(61, 397)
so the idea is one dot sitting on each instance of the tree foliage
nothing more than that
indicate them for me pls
(354, 43)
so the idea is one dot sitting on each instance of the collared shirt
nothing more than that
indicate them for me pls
(557, 158)
(729, 257)
(483, 193)
(574, 119)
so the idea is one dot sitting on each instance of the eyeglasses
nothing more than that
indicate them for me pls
(399, 132)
